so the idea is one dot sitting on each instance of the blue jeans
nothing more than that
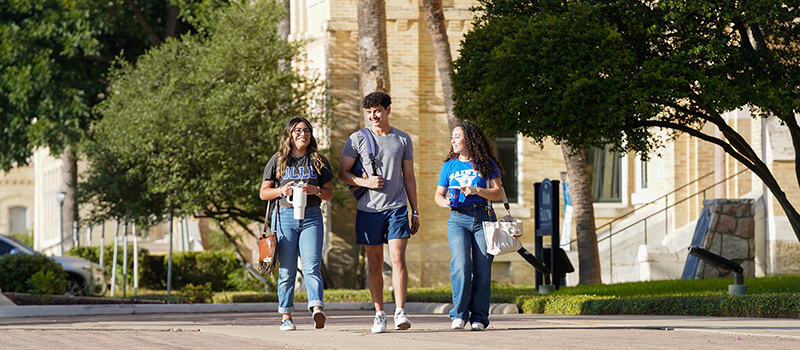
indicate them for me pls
(307, 241)
(470, 264)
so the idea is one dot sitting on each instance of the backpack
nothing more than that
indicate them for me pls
(359, 166)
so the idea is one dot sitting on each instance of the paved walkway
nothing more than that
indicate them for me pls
(349, 329)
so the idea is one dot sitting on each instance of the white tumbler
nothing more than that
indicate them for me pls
(299, 202)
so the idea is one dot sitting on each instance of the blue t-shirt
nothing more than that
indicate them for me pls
(456, 173)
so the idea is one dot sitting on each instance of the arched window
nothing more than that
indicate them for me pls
(18, 220)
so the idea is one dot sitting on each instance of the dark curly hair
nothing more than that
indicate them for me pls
(479, 148)
(376, 98)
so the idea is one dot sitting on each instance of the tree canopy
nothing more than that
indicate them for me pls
(592, 73)
(54, 55)
(188, 128)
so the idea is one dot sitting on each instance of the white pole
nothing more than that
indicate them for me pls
(169, 259)
(114, 261)
(135, 262)
(74, 233)
(185, 234)
(89, 235)
(102, 240)
(124, 256)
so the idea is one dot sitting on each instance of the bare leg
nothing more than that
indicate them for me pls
(375, 262)
(397, 252)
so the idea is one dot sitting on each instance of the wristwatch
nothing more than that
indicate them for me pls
(319, 190)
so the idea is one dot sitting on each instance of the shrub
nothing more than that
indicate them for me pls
(93, 254)
(16, 271)
(241, 280)
(219, 267)
(761, 305)
(198, 268)
(197, 294)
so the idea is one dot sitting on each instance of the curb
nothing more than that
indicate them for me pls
(122, 309)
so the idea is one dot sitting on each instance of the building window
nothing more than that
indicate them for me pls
(605, 169)
(505, 145)
(18, 220)
(643, 174)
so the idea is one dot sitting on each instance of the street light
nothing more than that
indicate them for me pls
(60, 195)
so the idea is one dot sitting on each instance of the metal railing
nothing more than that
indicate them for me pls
(665, 210)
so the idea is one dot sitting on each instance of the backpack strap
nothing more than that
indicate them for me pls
(372, 147)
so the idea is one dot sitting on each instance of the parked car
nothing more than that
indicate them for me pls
(83, 276)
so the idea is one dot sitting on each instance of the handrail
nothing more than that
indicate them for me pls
(670, 206)
(655, 200)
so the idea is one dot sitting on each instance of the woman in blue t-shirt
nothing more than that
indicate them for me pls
(468, 180)
(298, 162)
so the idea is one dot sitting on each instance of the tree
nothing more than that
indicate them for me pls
(372, 53)
(583, 202)
(479, 50)
(52, 64)
(437, 27)
(629, 69)
(188, 129)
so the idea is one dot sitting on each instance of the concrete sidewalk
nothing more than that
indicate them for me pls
(121, 309)
(351, 330)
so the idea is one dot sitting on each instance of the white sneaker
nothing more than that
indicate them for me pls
(379, 324)
(319, 319)
(477, 326)
(288, 325)
(401, 321)
(458, 323)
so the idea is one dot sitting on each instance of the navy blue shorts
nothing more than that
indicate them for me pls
(378, 228)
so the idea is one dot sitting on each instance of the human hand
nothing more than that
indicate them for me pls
(310, 189)
(374, 182)
(469, 190)
(286, 190)
(414, 225)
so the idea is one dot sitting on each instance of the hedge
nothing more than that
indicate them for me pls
(221, 268)
(16, 271)
(785, 305)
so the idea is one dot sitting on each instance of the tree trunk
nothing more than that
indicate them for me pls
(441, 50)
(69, 209)
(588, 255)
(372, 53)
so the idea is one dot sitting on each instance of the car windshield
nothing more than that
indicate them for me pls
(22, 246)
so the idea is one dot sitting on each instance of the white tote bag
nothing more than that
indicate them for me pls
(503, 236)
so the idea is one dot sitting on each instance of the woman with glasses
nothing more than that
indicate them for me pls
(468, 180)
(298, 169)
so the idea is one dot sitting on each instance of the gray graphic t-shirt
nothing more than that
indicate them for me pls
(299, 169)
(393, 149)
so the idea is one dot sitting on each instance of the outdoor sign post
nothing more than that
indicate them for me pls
(546, 214)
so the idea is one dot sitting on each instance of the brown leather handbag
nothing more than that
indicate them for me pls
(267, 244)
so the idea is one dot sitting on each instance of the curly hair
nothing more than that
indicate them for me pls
(478, 147)
(376, 98)
(285, 147)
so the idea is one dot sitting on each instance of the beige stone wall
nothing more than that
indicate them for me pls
(16, 190)
(417, 109)
(331, 27)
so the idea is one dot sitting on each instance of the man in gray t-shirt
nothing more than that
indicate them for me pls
(382, 215)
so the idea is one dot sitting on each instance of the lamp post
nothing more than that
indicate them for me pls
(60, 195)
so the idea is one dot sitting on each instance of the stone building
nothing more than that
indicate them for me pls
(679, 181)
(16, 200)
(664, 195)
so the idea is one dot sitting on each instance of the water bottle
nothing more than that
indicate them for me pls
(299, 201)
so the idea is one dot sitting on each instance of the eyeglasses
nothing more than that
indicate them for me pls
(301, 131)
